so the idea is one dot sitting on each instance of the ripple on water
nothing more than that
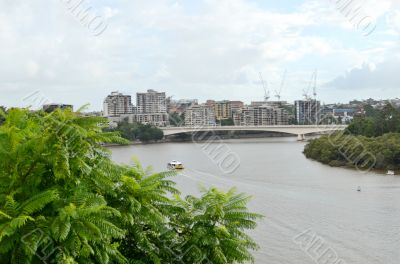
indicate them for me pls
(295, 194)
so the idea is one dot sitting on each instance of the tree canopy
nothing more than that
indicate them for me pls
(138, 131)
(381, 153)
(376, 122)
(63, 200)
(2, 114)
(373, 140)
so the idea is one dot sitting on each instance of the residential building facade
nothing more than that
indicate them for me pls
(223, 110)
(200, 115)
(180, 106)
(263, 115)
(117, 104)
(307, 112)
(152, 108)
(151, 102)
(236, 106)
(156, 119)
(244, 117)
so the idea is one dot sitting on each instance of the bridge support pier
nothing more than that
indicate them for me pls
(301, 137)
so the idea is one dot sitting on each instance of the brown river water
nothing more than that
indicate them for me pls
(299, 198)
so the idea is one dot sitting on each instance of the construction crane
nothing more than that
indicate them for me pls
(312, 104)
(306, 95)
(266, 91)
(313, 85)
(315, 95)
(278, 93)
(315, 76)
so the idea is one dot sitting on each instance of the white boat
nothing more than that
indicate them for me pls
(175, 165)
(390, 172)
(359, 189)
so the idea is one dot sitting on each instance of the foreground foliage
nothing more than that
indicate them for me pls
(62, 199)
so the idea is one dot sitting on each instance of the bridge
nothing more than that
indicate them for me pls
(299, 130)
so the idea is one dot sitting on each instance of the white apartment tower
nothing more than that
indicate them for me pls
(263, 115)
(117, 104)
(152, 108)
(200, 115)
(151, 102)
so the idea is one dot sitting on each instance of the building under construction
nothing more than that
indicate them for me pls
(307, 112)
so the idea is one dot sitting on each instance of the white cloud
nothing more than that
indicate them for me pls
(215, 50)
(382, 76)
(32, 69)
(394, 21)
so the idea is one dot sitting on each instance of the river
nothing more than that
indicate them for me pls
(295, 195)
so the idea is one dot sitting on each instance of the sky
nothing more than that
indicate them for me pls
(78, 51)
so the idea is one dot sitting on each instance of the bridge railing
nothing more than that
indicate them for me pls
(271, 126)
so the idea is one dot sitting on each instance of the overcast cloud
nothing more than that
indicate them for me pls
(195, 49)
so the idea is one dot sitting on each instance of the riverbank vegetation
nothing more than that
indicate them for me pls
(370, 142)
(137, 131)
(63, 200)
(381, 153)
(376, 123)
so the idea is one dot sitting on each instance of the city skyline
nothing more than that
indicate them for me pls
(155, 108)
(208, 49)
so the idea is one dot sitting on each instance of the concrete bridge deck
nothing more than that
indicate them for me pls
(299, 130)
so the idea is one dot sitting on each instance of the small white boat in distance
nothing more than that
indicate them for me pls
(390, 172)
(175, 165)
(359, 189)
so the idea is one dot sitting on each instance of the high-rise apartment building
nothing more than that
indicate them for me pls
(180, 106)
(210, 103)
(244, 117)
(269, 103)
(151, 102)
(307, 112)
(282, 117)
(223, 110)
(117, 104)
(156, 119)
(263, 115)
(200, 115)
(236, 106)
(152, 108)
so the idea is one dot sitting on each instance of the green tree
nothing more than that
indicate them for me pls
(227, 122)
(370, 111)
(212, 228)
(388, 120)
(157, 134)
(376, 122)
(137, 131)
(53, 173)
(381, 152)
(63, 200)
(2, 114)
(362, 126)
